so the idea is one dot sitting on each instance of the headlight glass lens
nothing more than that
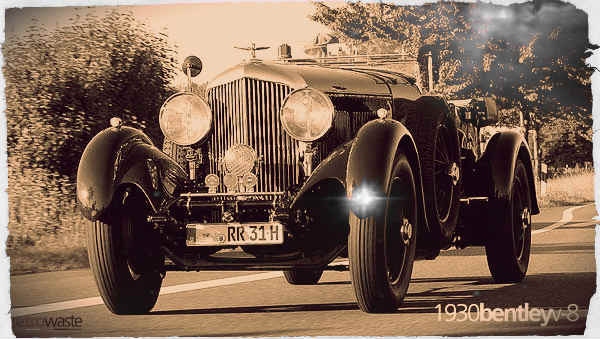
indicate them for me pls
(185, 118)
(307, 114)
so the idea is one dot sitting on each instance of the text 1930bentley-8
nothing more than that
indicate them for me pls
(293, 163)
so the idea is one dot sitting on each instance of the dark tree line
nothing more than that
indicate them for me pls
(530, 57)
(62, 87)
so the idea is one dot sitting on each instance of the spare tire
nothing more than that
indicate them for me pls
(434, 131)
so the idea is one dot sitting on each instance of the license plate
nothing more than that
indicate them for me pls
(267, 233)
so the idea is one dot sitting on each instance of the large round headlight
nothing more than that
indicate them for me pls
(307, 114)
(185, 118)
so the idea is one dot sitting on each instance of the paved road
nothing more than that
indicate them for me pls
(561, 273)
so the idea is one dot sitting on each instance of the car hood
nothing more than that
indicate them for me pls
(326, 79)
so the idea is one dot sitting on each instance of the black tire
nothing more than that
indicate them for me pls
(436, 137)
(302, 276)
(126, 268)
(508, 246)
(381, 255)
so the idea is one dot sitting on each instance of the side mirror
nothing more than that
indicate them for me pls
(485, 111)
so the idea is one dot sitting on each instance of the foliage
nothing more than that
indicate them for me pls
(33, 259)
(62, 87)
(530, 57)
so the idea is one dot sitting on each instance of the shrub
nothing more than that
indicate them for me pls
(62, 87)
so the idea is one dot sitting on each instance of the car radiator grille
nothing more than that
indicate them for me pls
(247, 111)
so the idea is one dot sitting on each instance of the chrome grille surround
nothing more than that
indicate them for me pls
(246, 111)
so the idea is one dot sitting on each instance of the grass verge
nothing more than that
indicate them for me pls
(49, 252)
(32, 259)
(568, 190)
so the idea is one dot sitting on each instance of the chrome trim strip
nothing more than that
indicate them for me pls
(231, 194)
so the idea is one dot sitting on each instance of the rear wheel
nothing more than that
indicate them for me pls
(302, 276)
(508, 245)
(125, 260)
(381, 248)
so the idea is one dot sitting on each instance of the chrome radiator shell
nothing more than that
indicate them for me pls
(247, 111)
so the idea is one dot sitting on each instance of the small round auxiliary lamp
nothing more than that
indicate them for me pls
(382, 113)
(116, 122)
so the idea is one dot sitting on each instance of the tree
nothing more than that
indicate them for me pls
(62, 87)
(417, 30)
(530, 57)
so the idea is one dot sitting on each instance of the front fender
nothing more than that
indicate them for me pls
(372, 158)
(119, 156)
(497, 164)
(331, 168)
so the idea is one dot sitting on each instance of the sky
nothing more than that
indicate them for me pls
(207, 30)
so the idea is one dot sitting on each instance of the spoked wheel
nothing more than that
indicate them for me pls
(302, 276)
(381, 248)
(125, 259)
(436, 138)
(508, 246)
(445, 174)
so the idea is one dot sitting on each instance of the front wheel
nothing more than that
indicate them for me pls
(508, 245)
(436, 138)
(381, 248)
(125, 261)
(302, 276)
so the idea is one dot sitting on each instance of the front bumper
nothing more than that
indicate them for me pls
(201, 230)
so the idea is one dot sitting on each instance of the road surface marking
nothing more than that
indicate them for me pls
(566, 217)
(93, 301)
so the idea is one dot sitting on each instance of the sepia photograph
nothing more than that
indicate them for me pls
(294, 169)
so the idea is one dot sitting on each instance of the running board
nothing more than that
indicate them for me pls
(339, 268)
(469, 200)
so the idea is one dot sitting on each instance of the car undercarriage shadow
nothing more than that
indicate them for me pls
(276, 333)
(539, 248)
(539, 290)
(265, 309)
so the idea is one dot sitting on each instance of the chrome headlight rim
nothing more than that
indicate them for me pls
(330, 108)
(196, 140)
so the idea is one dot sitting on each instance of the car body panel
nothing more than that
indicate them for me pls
(373, 168)
(499, 160)
(332, 167)
(116, 156)
(326, 79)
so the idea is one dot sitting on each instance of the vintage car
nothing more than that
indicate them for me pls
(289, 165)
